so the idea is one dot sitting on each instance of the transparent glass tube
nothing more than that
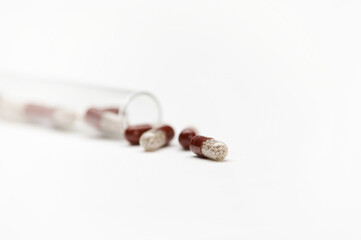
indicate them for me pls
(41, 97)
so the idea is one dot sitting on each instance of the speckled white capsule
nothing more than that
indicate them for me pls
(209, 148)
(156, 138)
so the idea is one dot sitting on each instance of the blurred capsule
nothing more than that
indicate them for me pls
(106, 120)
(185, 137)
(156, 138)
(55, 116)
(58, 117)
(209, 148)
(11, 110)
(133, 133)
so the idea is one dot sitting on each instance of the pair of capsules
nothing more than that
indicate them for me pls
(105, 120)
(148, 137)
(152, 139)
(203, 146)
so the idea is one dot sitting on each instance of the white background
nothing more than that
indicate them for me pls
(278, 81)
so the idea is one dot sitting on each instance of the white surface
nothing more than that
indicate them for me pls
(278, 81)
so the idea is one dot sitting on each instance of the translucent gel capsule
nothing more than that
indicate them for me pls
(105, 120)
(133, 133)
(156, 138)
(209, 148)
(185, 137)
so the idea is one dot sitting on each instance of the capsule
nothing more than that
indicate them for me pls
(156, 138)
(209, 148)
(11, 110)
(133, 133)
(185, 137)
(58, 117)
(19, 111)
(105, 120)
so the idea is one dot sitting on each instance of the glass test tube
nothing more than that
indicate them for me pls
(75, 105)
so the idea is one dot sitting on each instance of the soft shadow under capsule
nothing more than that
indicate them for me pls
(209, 148)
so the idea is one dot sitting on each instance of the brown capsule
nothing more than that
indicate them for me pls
(104, 119)
(196, 144)
(185, 137)
(133, 133)
(93, 116)
(209, 148)
(156, 138)
(169, 132)
(58, 117)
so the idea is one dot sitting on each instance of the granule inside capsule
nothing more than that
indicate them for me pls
(153, 140)
(214, 149)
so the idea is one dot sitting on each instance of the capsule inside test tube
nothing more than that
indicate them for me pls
(58, 117)
(37, 113)
(105, 120)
